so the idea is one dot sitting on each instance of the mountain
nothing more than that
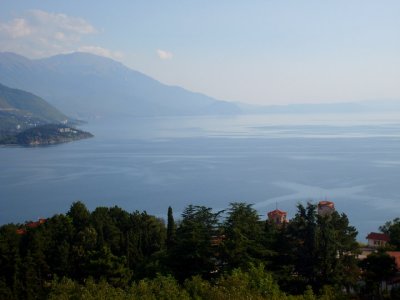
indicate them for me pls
(20, 110)
(83, 85)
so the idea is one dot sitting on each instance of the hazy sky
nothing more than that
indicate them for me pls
(265, 51)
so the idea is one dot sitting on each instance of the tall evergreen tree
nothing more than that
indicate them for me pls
(302, 233)
(171, 228)
(80, 215)
(145, 238)
(324, 248)
(193, 253)
(244, 240)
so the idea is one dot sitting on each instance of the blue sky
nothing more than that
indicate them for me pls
(266, 52)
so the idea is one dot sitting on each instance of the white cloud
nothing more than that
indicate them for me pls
(39, 33)
(71, 25)
(164, 54)
(16, 28)
(102, 52)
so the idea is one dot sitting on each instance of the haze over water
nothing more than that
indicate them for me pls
(152, 163)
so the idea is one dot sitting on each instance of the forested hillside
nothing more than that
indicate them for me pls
(20, 110)
(113, 254)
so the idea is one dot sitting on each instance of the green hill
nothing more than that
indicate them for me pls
(20, 110)
(22, 102)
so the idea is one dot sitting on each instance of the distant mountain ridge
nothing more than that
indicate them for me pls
(85, 85)
(82, 85)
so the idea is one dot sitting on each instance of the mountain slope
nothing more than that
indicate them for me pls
(20, 110)
(24, 103)
(83, 84)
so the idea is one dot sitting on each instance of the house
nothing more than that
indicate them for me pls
(277, 216)
(64, 130)
(22, 231)
(36, 224)
(376, 240)
(325, 208)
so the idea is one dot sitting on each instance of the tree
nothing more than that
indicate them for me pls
(59, 233)
(337, 251)
(80, 215)
(378, 267)
(103, 264)
(31, 279)
(242, 244)
(10, 262)
(193, 243)
(108, 233)
(302, 233)
(171, 228)
(145, 239)
(392, 228)
(324, 248)
(281, 255)
(84, 242)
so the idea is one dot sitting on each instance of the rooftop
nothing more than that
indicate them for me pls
(378, 236)
(277, 212)
(326, 203)
(30, 225)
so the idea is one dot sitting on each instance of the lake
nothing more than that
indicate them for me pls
(268, 160)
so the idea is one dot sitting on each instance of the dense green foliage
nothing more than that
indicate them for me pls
(323, 249)
(378, 267)
(112, 254)
(45, 135)
(255, 284)
(392, 229)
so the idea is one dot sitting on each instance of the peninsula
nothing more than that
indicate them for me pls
(46, 135)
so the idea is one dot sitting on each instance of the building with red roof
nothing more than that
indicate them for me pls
(277, 216)
(325, 208)
(376, 239)
(21, 231)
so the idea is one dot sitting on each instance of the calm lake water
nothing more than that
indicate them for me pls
(151, 163)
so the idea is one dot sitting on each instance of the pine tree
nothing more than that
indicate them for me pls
(243, 240)
(171, 228)
(193, 253)
(323, 249)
